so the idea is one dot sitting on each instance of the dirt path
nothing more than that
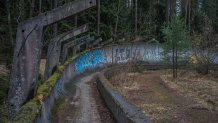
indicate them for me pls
(84, 107)
(161, 104)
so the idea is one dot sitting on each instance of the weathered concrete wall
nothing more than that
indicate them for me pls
(118, 54)
(123, 111)
(150, 54)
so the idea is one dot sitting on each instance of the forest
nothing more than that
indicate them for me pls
(176, 25)
(119, 19)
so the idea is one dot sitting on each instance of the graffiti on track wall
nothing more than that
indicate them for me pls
(127, 53)
(89, 59)
(153, 54)
(122, 54)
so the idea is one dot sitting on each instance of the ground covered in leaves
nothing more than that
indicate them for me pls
(192, 98)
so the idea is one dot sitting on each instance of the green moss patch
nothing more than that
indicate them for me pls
(27, 113)
(45, 89)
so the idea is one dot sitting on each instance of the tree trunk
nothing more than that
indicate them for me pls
(176, 60)
(99, 16)
(168, 12)
(32, 6)
(117, 19)
(186, 11)
(22, 12)
(136, 17)
(189, 15)
(9, 23)
(171, 7)
(40, 6)
(173, 58)
(55, 26)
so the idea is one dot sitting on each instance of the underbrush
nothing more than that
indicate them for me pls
(4, 85)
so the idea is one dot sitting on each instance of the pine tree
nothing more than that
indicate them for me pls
(177, 39)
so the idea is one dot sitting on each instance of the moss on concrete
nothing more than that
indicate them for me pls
(27, 113)
(31, 109)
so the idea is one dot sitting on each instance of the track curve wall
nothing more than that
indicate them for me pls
(89, 60)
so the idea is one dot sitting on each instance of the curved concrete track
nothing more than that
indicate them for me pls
(86, 105)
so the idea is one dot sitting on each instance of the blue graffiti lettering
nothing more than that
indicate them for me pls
(89, 60)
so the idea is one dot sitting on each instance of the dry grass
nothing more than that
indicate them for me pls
(157, 112)
(202, 88)
(124, 82)
(165, 100)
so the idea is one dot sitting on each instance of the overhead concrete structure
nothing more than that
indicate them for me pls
(94, 43)
(107, 42)
(25, 67)
(54, 48)
(75, 45)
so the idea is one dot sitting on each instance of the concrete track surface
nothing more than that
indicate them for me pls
(86, 105)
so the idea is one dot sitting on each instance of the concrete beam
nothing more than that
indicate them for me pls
(61, 13)
(54, 48)
(25, 67)
(95, 43)
(103, 43)
(74, 43)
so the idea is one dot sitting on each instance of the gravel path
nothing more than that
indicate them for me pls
(84, 106)
(89, 112)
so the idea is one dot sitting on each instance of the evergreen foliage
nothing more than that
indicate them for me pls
(177, 39)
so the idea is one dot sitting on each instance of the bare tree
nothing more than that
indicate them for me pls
(32, 6)
(117, 17)
(136, 17)
(40, 6)
(99, 16)
(186, 11)
(170, 10)
(55, 26)
(9, 22)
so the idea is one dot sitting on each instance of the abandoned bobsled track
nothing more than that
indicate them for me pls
(82, 106)
(41, 105)
(39, 108)
(73, 82)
